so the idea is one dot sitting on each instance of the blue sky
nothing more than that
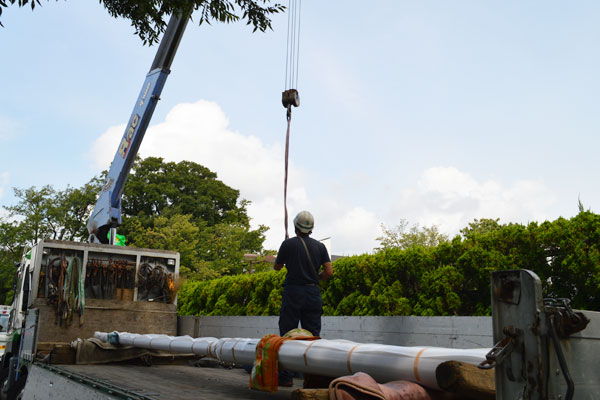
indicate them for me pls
(437, 112)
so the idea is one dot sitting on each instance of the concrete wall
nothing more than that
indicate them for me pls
(453, 332)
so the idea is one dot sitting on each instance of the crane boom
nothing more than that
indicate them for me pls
(107, 212)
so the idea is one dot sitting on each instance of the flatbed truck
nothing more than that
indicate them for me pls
(66, 291)
(526, 363)
(70, 290)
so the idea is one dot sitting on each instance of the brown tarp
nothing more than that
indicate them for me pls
(95, 351)
(361, 386)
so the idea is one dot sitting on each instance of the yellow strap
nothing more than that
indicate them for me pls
(416, 366)
(306, 351)
(348, 361)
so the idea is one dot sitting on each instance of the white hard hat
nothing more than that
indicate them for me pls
(304, 222)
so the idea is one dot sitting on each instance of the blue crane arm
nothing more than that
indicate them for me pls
(107, 212)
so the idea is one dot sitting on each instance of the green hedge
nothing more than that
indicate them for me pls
(450, 279)
(255, 294)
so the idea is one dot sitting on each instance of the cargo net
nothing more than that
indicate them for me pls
(109, 279)
(156, 283)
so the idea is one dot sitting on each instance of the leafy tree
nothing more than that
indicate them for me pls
(34, 211)
(480, 226)
(262, 262)
(161, 198)
(205, 252)
(176, 233)
(170, 206)
(226, 245)
(41, 214)
(571, 250)
(403, 237)
(488, 247)
(160, 193)
(188, 210)
(72, 210)
(11, 250)
(580, 206)
(7, 272)
(50, 214)
(158, 188)
(439, 292)
(147, 17)
(452, 278)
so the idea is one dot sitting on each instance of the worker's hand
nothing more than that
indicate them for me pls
(327, 271)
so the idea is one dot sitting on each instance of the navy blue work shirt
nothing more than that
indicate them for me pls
(293, 255)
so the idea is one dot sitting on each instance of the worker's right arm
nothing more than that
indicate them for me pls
(327, 271)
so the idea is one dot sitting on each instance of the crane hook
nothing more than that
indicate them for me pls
(290, 97)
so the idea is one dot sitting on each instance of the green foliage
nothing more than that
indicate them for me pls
(452, 278)
(48, 213)
(147, 17)
(169, 206)
(401, 237)
(408, 276)
(159, 188)
(41, 214)
(479, 227)
(176, 233)
(438, 294)
(184, 207)
(572, 251)
(11, 250)
(226, 244)
(247, 294)
(34, 209)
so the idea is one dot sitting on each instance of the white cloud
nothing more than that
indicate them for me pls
(450, 199)
(199, 132)
(104, 148)
(353, 229)
(443, 196)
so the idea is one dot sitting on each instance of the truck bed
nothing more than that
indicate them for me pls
(143, 382)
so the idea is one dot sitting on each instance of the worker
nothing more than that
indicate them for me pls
(301, 301)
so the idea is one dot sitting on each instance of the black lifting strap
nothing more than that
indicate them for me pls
(289, 98)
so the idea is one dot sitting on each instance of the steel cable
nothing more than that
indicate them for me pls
(290, 95)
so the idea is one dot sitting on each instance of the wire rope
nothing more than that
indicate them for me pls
(290, 94)
(298, 41)
(293, 44)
